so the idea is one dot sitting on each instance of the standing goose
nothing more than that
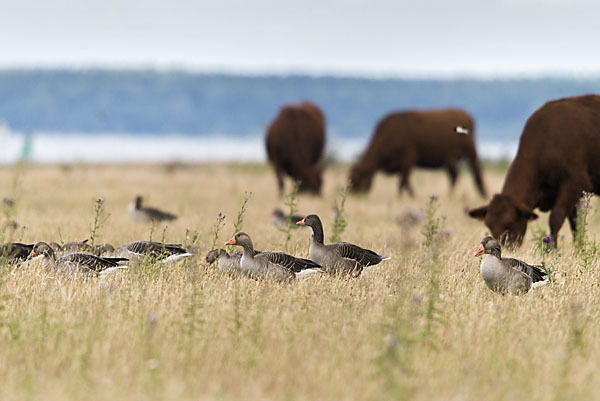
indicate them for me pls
(165, 253)
(75, 262)
(226, 262)
(275, 265)
(507, 275)
(339, 257)
(148, 214)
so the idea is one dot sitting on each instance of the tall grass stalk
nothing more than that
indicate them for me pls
(587, 249)
(431, 247)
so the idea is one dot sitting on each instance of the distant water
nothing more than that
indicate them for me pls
(127, 148)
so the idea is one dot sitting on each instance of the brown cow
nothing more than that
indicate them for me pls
(295, 142)
(558, 158)
(418, 138)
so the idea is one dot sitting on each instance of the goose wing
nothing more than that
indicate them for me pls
(364, 257)
(153, 248)
(90, 261)
(280, 259)
(535, 272)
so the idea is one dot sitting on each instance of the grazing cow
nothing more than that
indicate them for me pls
(295, 142)
(435, 138)
(558, 158)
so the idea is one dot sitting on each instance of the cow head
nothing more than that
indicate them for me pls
(360, 179)
(506, 218)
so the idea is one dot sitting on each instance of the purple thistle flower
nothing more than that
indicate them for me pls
(547, 240)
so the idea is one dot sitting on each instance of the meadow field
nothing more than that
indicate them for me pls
(421, 326)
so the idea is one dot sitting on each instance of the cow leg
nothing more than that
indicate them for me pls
(453, 174)
(563, 207)
(279, 175)
(404, 183)
(573, 222)
(476, 170)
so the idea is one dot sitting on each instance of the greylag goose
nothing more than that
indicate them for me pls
(165, 253)
(75, 262)
(275, 265)
(226, 262)
(339, 257)
(102, 250)
(148, 214)
(15, 252)
(507, 275)
(75, 246)
(279, 218)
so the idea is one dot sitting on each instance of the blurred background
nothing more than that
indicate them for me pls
(199, 81)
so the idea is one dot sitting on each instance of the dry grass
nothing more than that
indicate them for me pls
(422, 326)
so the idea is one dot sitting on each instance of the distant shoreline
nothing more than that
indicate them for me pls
(56, 148)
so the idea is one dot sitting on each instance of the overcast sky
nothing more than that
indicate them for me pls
(366, 37)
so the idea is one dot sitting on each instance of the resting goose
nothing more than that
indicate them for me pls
(102, 249)
(226, 262)
(15, 251)
(507, 275)
(165, 253)
(148, 214)
(76, 246)
(339, 257)
(75, 262)
(275, 265)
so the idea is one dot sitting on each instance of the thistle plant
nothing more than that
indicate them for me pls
(239, 223)
(339, 222)
(100, 218)
(237, 226)
(219, 224)
(291, 201)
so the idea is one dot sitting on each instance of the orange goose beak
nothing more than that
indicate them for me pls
(480, 250)
(301, 223)
(231, 242)
(32, 254)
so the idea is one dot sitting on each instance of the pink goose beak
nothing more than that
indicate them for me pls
(301, 223)
(480, 250)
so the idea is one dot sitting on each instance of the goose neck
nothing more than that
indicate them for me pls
(318, 235)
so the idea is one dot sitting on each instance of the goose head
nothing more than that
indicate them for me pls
(213, 255)
(41, 248)
(242, 239)
(487, 246)
(312, 220)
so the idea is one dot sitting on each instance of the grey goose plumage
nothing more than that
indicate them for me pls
(75, 262)
(507, 275)
(143, 213)
(278, 266)
(339, 257)
(228, 263)
(157, 251)
(14, 252)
